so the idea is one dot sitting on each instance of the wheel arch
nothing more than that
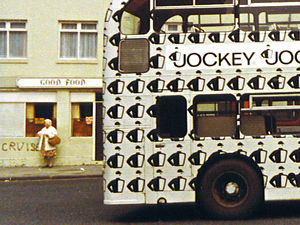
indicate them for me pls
(219, 156)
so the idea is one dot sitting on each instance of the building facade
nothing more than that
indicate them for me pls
(51, 67)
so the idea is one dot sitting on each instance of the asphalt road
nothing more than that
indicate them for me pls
(79, 201)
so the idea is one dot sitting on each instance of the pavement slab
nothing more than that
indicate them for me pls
(57, 172)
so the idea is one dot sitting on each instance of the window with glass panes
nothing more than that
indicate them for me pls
(13, 39)
(78, 40)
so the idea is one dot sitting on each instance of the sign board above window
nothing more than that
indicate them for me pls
(59, 83)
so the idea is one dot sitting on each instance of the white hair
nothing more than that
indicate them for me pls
(49, 122)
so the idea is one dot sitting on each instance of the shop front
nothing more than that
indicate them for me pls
(73, 105)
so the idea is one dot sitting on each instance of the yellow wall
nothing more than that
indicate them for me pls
(43, 17)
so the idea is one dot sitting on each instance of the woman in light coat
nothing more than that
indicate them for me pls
(48, 151)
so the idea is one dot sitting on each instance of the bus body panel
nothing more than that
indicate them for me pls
(252, 72)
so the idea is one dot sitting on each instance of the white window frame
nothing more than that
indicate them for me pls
(78, 31)
(8, 29)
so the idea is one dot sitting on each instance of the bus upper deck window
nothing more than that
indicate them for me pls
(213, 2)
(173, 2)
(211, 22)
(136, 17)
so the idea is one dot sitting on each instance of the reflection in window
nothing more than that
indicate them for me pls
(173, 25)
(191, 2)
(247, 22)
(136, 18)
(173, 2)
(213, 2)
(279, 21)
(215, 116)
(270, 115)
(211, 23)
(82, 119)
(36, 113)
(171, 116)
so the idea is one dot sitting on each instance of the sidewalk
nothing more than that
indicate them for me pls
(57, 172)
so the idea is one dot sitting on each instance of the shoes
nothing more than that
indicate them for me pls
(50, 166)
(45, 166)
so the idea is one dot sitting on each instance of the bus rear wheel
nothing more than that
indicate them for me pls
(230, 188)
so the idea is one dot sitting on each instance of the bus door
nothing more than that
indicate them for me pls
(170, 170)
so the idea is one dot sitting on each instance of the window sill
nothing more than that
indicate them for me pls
(13, 61)
(77, 61)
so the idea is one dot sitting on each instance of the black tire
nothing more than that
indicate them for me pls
(230, 188)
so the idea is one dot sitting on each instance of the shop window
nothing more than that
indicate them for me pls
(171, 116)
(36, 113)
(82, 119)
(215, 116)
(270, 115)
(12, 119)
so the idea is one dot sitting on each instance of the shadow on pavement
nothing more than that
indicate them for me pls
(191, 212)
(169, 212)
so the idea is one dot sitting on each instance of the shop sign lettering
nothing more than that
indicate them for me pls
(18, 147)
(59, 83)
(63, 82)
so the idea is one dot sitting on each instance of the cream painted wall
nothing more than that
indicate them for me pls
(42, 18)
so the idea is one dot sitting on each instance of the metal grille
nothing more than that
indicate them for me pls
(134, 56)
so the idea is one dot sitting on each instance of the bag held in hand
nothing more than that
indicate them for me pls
(54, 141)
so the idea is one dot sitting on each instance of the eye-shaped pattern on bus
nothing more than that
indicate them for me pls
(136, 185)
(236, 83)
(137, 86)
(116, 161)
(294, 179)
(177, 159)
(136, 111)
(259, 156)
(196, 84)
(277, 82)
(116, 111)
(294, 82)
(295, 156)
(157, 160)
(178, 184)
(136, 160)
(153, 136)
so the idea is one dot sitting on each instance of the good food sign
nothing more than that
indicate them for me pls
(59, 83)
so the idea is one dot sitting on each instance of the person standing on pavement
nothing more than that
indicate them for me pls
(48, 151)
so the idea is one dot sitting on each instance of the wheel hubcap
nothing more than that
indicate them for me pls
(230, 189)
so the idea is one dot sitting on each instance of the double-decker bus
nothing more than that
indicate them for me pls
(202, 103)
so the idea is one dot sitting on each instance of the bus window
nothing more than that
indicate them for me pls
(173, 2)
(273, 1)
(247, 22)
(136, 17)
(173, 25)
(270, 114)
(215, 116)
(279, 21)
(213, 2)
(211, 23)
(171, 116)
